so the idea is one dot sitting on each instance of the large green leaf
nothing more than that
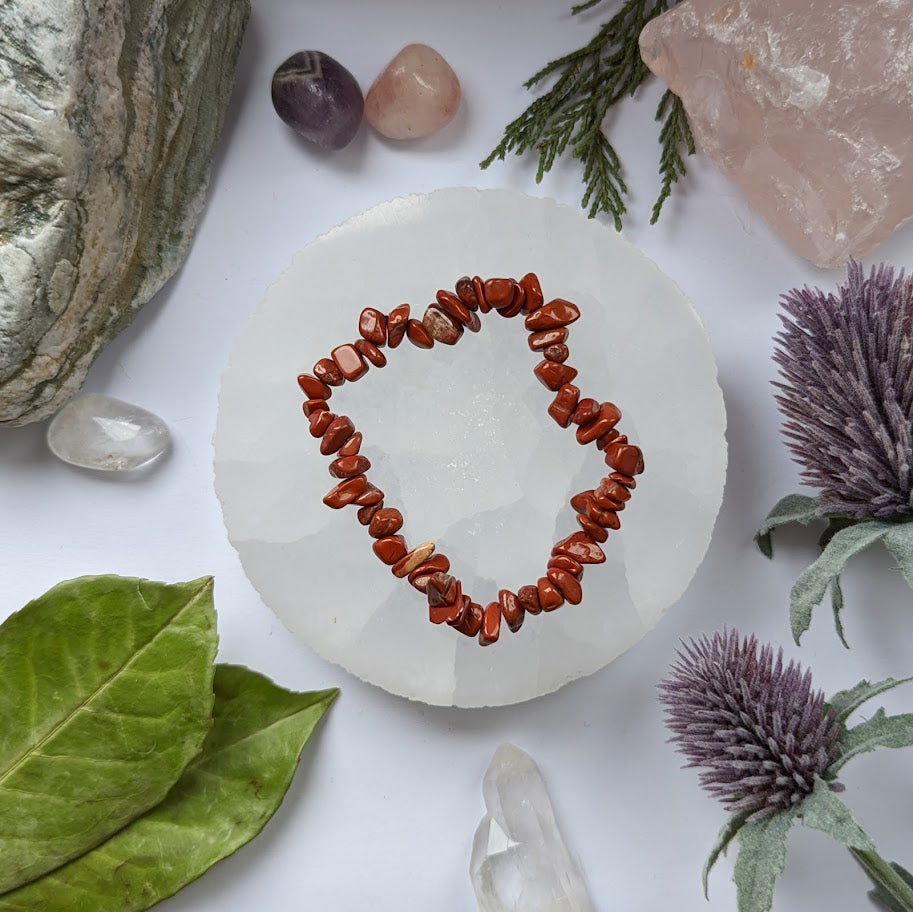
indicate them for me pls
(794, 508)
(879, 731)
(899, 541)
(222, 801)
(823, 810)
(811, 586)
(105, 696)
(762, 857)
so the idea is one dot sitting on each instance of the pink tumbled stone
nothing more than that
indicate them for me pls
(416, 95)
(806, 105)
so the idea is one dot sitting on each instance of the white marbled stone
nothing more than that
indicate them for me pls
(111, 110)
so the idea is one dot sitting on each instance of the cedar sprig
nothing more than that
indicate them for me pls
(570, 115)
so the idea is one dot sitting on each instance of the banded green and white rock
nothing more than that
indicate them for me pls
(110, 113)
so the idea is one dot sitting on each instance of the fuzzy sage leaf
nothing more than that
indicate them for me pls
(812, 585)
(730, 828)
(823, 810)
(794, 508)
(762, 857)
(899, 541)
(845, 702)
(879, 731)
(105, 696)
(223, 799)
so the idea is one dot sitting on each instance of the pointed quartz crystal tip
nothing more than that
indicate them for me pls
(805, 105)
(519, 860)
(100, 432)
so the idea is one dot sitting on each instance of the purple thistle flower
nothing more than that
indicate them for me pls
(847, 393)
(758, 728)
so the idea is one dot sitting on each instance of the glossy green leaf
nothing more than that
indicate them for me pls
(823, 810)
(881, 897)
(811, 586)
(105, 696)
(730, 828)
(794, 508)
(222, 801)
(879, 731)
(762, 857)
(845, 702)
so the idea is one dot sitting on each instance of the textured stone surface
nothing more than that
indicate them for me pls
(416, 94)
(806, 104)
(318, 98)
(111, 111)
(519, 860)
(100, 432)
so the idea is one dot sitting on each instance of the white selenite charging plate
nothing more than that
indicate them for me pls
(460, 441)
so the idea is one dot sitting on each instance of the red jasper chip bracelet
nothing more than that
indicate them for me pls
(444, 322)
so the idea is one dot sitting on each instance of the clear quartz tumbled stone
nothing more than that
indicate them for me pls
(100, 432)
(519, 860)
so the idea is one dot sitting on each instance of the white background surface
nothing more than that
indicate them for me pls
(382, 811)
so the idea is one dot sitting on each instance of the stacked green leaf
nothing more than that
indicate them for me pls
(122, 776)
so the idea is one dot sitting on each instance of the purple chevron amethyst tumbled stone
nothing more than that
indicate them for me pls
(318, 98)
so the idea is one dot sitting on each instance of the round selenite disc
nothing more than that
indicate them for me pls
(460, 441)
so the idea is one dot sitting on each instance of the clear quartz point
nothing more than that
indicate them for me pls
(100, 432)
(519, 860)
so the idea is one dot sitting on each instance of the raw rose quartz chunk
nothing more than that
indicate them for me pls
(807, 105)
(416, 95)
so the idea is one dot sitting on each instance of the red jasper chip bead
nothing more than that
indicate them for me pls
(315, 405)
(346, 492)
(534, 298)
(528, 596)
(553, 375)
(327, 371)
(564, 403)
(338, 431)
(587, 410)
(371, 353)
(511, 609)
(366, 514)
(479, 292)
(466, 292)
(385, 522)
(445, 321)
(539, 341)
(390, 549)
(453, 306)
(349, 466)
(397, 322)
(370, 496)
(566, 584)
(320, 421)
(471, 621)
(554, 314)
(607, 419)
(313, 388)
(441, 326)
(624, 457)
(558, 353)
(418, 335)
(491, 624)
(563, 562)
(372, 325)
(352, 446)
(437, 563)
(550, 597)
(592, 529)
(350, 361)
(582, 548)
